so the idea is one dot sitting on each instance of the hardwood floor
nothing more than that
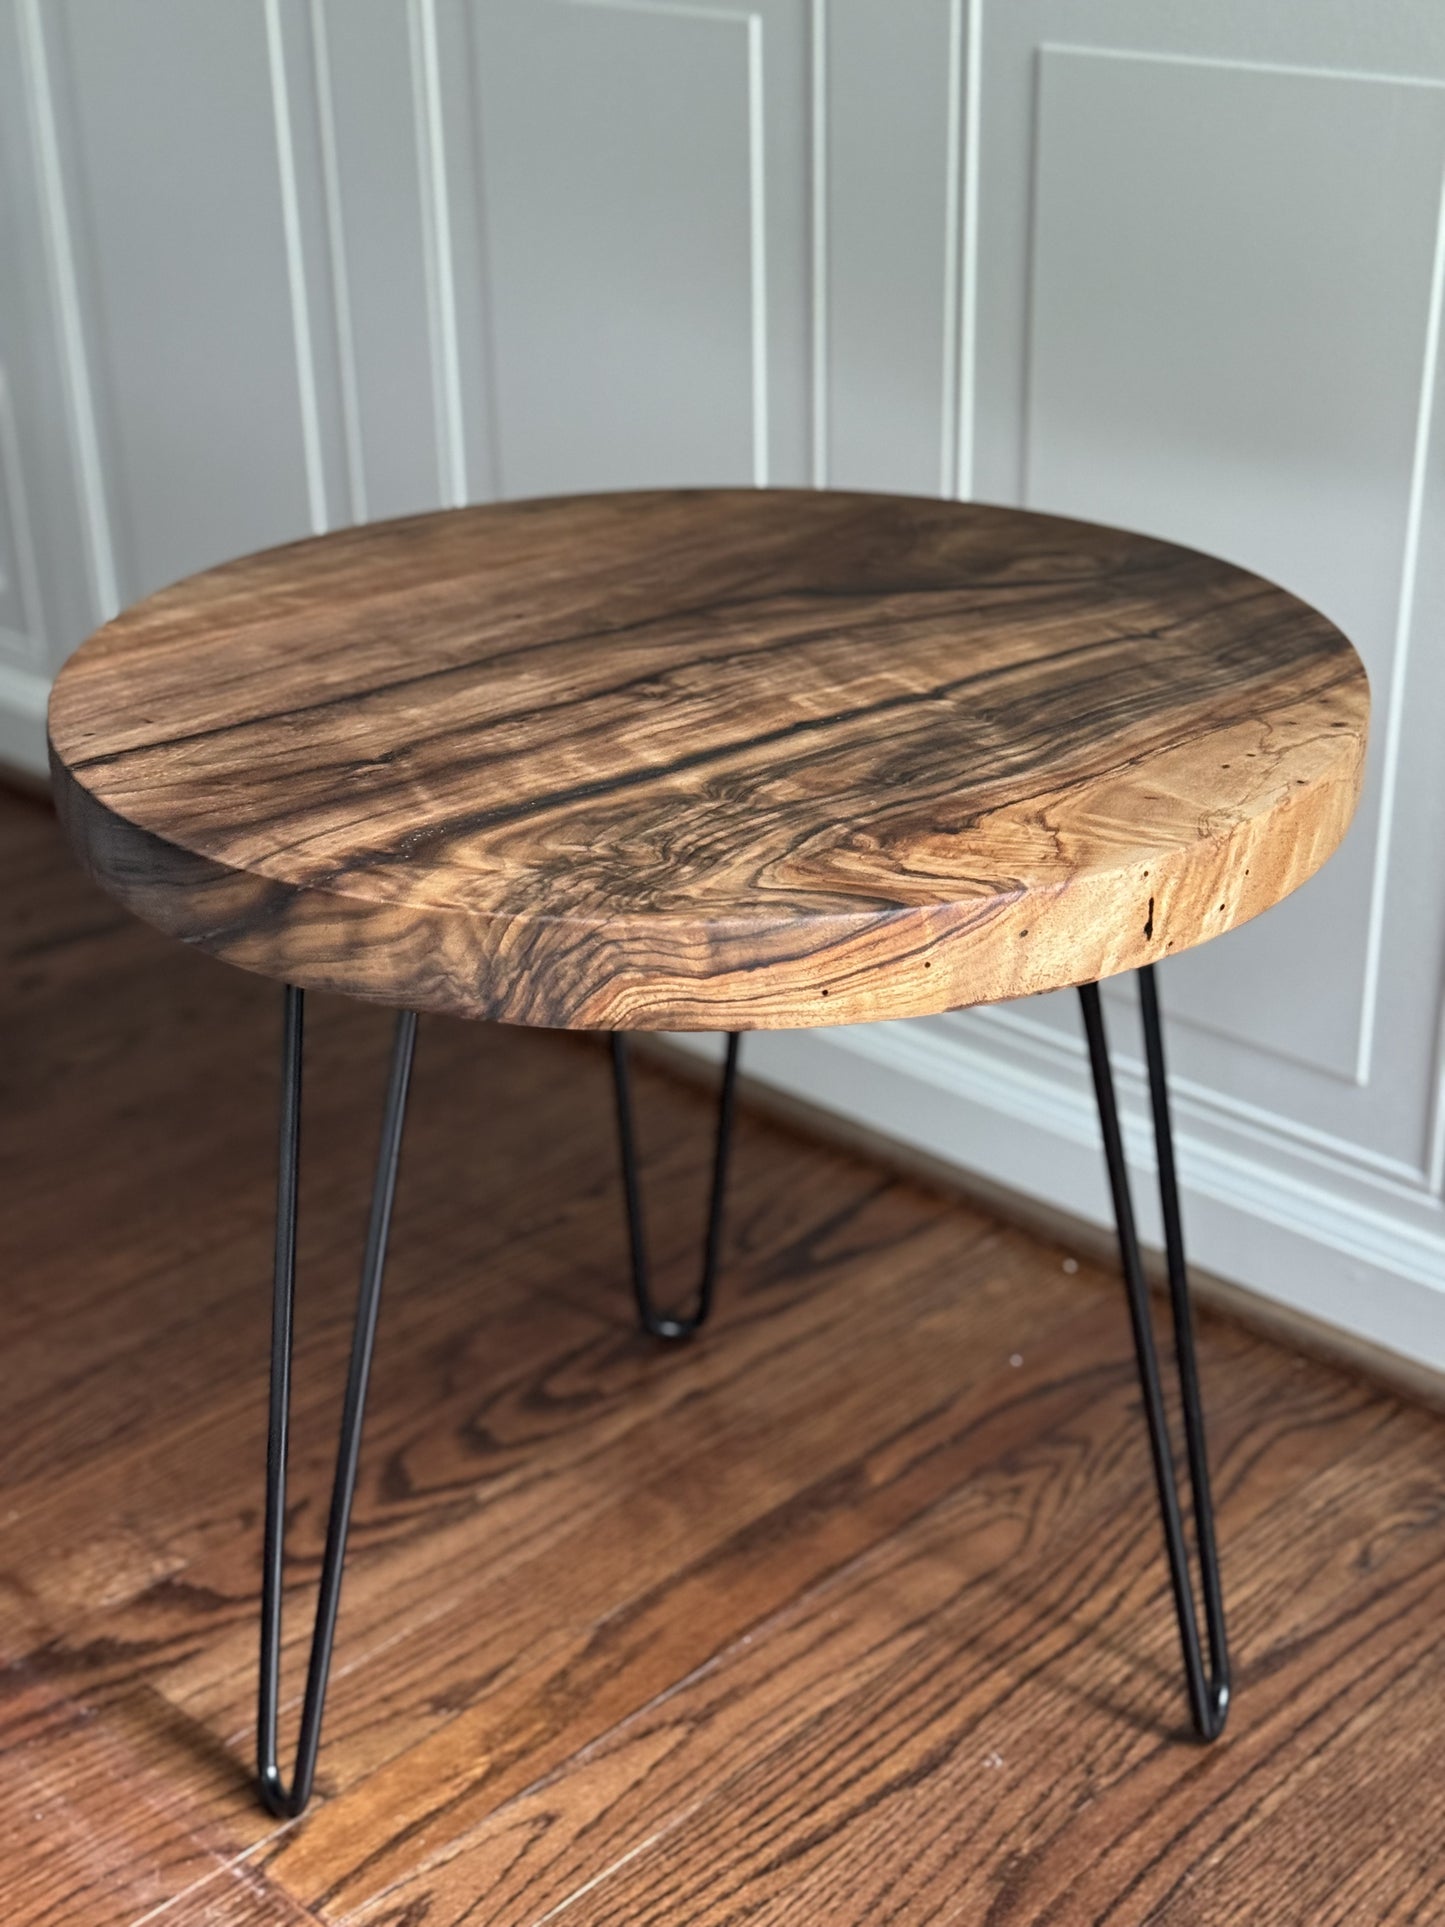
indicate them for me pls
(853, 1611)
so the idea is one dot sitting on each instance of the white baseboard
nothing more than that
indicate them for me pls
(24, 694)
(972, 1097)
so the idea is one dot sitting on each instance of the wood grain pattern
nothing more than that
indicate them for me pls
(854, 1612)
(729, 759)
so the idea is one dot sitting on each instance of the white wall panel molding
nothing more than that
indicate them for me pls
(899, 291)
(58, 236)
(474, 292)
(758, 253)
(961, 165)
(22, 620)
(391, 251)
(297, 279)
(335, 216)
(438, 251)
(318, 283)
(1406, 615)
(951, 413)
(818, 291)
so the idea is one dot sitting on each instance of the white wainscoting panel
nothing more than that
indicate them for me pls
(58, 559)
(373, 66)
(643, 168)
(179, 176)
(893, 111)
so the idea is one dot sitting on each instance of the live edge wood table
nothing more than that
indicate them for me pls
(729, 761)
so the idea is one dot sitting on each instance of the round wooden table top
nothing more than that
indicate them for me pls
(725, 759)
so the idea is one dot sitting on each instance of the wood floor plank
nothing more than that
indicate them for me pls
(92, 1832)
(905, 1746)
(237, 1896)
(959, 1439)
(559, 1548)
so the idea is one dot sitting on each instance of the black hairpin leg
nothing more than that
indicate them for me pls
(1208, 1687)
(278, 1798)
(663, 1324)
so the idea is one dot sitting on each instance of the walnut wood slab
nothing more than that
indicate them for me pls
(709, 760)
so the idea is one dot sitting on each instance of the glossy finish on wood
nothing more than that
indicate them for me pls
(842, 1617)
(724, 760)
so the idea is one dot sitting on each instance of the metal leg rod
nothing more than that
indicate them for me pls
(1208, 1686)
(1196, 1451)
(278, 1798)
(665, 1324)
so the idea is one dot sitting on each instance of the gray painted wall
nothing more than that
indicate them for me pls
(269, 266)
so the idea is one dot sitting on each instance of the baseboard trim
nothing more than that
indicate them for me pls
(1289, 1325)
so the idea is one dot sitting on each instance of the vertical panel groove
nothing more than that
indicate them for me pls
(1429, 383)
(296, 273)
(437, 251)
(965, 482)
(950, 425)
(758, 233)
(1404, 622)
(59, 243)
(486, 472)
(820, 206)
(340, 277)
